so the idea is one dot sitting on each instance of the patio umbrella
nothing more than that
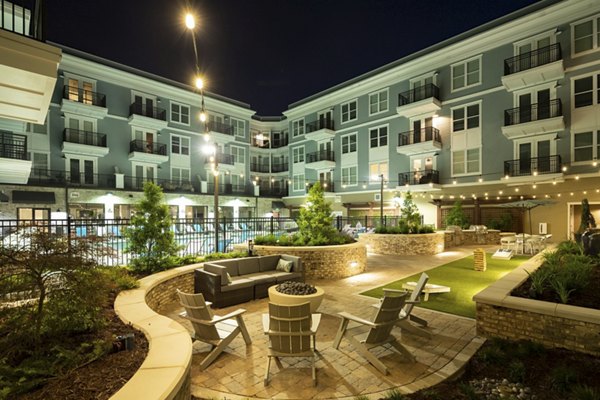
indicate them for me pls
(524, 205)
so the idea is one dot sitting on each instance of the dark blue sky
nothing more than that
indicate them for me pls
(268, 53)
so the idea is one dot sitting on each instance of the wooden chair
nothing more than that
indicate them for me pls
(290, 330)
(406, 313)
(218, 331)
(380, 329)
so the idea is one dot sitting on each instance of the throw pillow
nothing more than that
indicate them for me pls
(284, 266)
(229, 280)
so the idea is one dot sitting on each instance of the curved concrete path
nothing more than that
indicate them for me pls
(238, 373)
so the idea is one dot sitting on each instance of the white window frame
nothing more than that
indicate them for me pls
(595, 89)
(595, 144)
(180, 179)
(81, 119)
(379, 136)
(346, 176)
(82, 159)
(235, 151)
(182, 139)
(374, 175)
(298, 155)
(298, 127)
(298, 182)
(349, 144)
(465, 107)
(181, 107)
(379, 101)
(595, 35)
(80, 81)
(349, 112)
(464, 64)
(239, 127)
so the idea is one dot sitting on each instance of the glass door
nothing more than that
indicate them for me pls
(524, 159)
(543, 156)
(524, 108)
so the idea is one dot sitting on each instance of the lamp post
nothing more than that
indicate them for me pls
(381, 201)
(190, 23)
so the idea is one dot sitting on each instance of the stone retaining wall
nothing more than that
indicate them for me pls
(554, 325)
(324, 262)
(398, 244)
(468, 237)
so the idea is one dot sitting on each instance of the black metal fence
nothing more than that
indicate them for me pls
(532, 59)
(419, 93)
(533, 112)
(427, 134)
(84, 96)
(533, 166)
(13, 146)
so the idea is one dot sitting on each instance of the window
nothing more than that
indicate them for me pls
(180, 114)
(376, 170)
(465, 161)
(40, 163)
(466, 74)
(349, 176)
(180, 145)
(378, 102)
(298, 154)
(239, 154)
(299, 182)
(239, 127)
(586, 35)
(378, 136)
(465, 116)
(80, 89)
(349, 143)
(180, 175)
(584, 93)
(298, 127)
(586, 146)
(349, 111)
(35, 128)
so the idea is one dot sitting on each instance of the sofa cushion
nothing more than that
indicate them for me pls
(261, 277)
(284, 276)
(268, 263)
(218, 270)
(284, 266)
(248, 265)
(296, 260)
(238, 283)
(231, 265)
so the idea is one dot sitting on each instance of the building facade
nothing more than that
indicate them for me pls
(507, 110)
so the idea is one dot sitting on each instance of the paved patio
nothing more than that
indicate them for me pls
(238, 373)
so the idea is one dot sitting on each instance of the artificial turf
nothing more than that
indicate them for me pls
(463, 280)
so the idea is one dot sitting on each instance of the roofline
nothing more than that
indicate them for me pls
(267, 118)
(144, 74)
(435, 47)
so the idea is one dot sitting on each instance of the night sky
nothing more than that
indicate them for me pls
(268, 53)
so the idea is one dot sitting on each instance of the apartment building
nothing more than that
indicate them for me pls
(508, 109)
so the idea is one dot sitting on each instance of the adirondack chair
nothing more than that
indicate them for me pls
(380, 332)
(406, 313)
(290, 330)
(218, 331)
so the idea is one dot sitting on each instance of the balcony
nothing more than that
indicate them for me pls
(533, 68)
(534, 119)
(83, 102)
(220, 130)
(274, 191)
(321, 129)
(264, 142)
(143, 151)
(328, 186)
(84, 143)
(323, 159)
(279, 167)
(430, 178)
(28, 66)
(147, 116)
(14, 162)
(420, 100)
(225, 162)
(533, 166)
(255, 167)
(420, 141)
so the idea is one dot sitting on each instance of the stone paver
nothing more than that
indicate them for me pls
(238, 372)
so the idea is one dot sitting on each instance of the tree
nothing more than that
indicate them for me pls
(410, 212)
(150, 238)
(587, 219)
(315, 222)
(457, 216)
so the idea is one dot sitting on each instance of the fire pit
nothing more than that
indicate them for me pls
(304, 293)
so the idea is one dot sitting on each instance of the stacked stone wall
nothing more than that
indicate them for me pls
(166, 291)
(470, 238)
(397, 244)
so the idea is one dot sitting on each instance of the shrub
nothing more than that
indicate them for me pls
(394, 394)
(457, 216)
(516, 371)
(562, 378)
(584, 392)
(223, 256)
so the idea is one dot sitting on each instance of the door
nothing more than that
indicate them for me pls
(416, 132)
(88, 93)
(75, 171)
(325, 179)
(149, 142)
(543, 104)
(88, 172)
(524, 159)
(421, 88)
(524, 108)
(524, 51)
(73, 89)
(325, 120)
(325, 151)
(543, 156)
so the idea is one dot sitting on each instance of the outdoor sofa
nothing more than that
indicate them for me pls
(235, 281)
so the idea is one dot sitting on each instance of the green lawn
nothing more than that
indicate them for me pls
(463, 280)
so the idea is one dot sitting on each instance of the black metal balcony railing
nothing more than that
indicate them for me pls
(274, 191)
(328, 186)
(20, 16)
(13, 146)
(255, 167)
(148, 111)
(143, 146)
(221, 158)
(220, 127)
(426, 134)
(84, 96)
(418, 177)
(228, 188)
(533, 112)
(319, 124)
(279, 167)
(321, 155)
(274, 140)
(532, 59)
(282, 141)
(419, 93)
(83, 137)
(533, 166)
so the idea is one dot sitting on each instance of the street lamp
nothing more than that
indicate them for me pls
(382, 179)
(190, 23)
